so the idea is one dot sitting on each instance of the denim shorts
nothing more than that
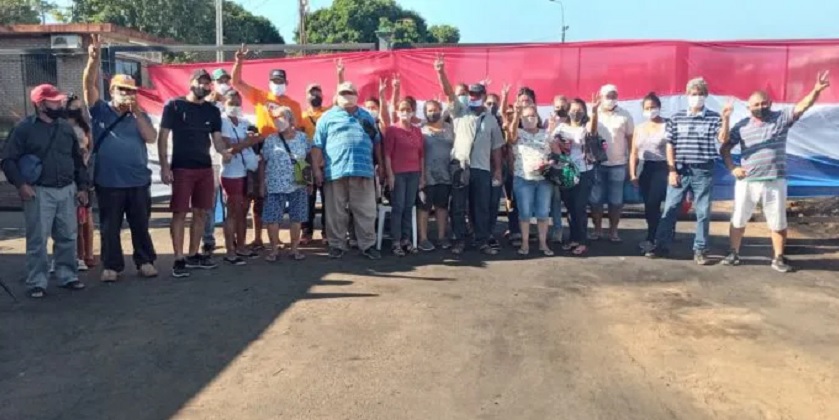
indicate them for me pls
(533, 198)
(295, 203)
(608, 185)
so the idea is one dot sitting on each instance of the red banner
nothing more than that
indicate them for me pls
(786, 69)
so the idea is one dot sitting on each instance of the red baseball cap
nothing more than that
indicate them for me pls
(46, 92)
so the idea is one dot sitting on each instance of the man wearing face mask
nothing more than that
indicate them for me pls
(477, 149)
(195, 125)
(761, 178)
(121, 130)
(615, 126)
(345, 141)
(264, 100)
(314, 96)
(692, 137)
(42, 159)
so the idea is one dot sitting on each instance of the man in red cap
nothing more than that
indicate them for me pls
(43, 160)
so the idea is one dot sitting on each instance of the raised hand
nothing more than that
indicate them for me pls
(396, 81)
(728, 108)
(382, 85)
(595, 102)
(486, 82)
(242, 52)
(505, 89)
(95, 47)
(823, 81)
(439, 62)
(339, 66)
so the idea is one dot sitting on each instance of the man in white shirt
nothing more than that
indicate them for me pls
(615, 126)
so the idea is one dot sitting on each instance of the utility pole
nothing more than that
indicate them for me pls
(304, 11)
(562, 10)
(219, 31)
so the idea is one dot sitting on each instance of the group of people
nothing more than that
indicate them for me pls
(455, 160)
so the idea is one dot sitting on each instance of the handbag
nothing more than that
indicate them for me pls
(594, 149)
(562, 171)
(91, 162)
(302, 170)
(460, 170)
(253, 187)
(31, 165)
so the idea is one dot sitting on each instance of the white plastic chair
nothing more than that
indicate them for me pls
(380, 229)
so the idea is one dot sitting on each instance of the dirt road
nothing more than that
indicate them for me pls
(614, 336)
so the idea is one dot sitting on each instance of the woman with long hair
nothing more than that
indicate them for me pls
(403, 143)
(438, 138)
(648, 164)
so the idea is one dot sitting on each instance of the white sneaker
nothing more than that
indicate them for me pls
(82, 265)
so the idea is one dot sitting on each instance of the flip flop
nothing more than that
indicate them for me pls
(523, 252)
(615, 239)
(580, 250)
(547, 252)
(296, 256)
(272, 257)
(570, 246)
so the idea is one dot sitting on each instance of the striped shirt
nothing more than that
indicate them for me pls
(347, 148)
(763, 145)
(694, 136)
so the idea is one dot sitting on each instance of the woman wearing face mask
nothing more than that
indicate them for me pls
(415, 121)
(234, 131)
(438, 139)
(569, 138)
(405, 174)
(533, 192)
(282, 193)
(84, 241)
(648, 146)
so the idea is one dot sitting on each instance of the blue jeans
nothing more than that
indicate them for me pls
(653, 186)
(478, 195)
(699, 179)
(534, 198)
(402, 199)
(608, 186)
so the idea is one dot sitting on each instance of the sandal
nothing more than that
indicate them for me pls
(398, 251)
(523, 252)
(409, 248)
(272, 257)
(547, 252)
(256, 246)
(297, 256)
(580, 250)
(594, 236)
(570, 246)
(247, 254)
(488, 250)
(73, 285)
(615, 239)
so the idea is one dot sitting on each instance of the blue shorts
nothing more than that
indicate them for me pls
(608, 185)
(296, 204)
(533, 198)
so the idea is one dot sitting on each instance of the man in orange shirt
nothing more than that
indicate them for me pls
(263, 102)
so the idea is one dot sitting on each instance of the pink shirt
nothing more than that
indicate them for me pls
(404, 148)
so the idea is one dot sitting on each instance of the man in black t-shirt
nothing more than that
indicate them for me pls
(195, 125)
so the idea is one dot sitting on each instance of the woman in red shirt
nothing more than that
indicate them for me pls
(404, 162)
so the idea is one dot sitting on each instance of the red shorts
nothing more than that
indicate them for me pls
(234, 187)
(192, 189)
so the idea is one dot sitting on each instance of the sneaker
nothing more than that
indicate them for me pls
(646, 246)
(82, 266)
(781, 265)
(37, 292)
(147, 270)
(179, 269)
(445, 244)
(657, 253)
(200, 261)
(488, 250)
(426, 246)
(248, 254)
(335, 253)
(398, 251)
(700, 258)
(372, 253)
(732, 259)
(458, 248)
(208, 249)
(494, 244)
(235, 260)
(109, 276)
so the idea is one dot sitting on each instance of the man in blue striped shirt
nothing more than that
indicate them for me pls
(345, 141)
(692, 137)
(761, 178)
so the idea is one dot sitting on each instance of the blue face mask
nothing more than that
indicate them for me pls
(464, 99)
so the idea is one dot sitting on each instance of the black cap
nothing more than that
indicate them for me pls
(277, 74)
(478, 89)
(197, 74)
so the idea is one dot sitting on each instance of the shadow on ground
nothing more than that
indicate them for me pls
(144, 348)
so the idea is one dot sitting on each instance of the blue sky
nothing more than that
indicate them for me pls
(539, 20)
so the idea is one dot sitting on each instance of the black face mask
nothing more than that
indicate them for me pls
(75, 114)
(433, 117)
(761, 113)
(55, 114)
(561, 112)
(200, 91)
(316, 101)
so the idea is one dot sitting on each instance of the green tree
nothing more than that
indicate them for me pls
(444, 34)
(26, 11)
(187, 21)
(351, 21)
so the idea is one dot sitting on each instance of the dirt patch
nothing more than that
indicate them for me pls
(816, 216)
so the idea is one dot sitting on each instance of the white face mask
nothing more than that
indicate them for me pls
(222, 88)
(233, 111)
(609, 104)
(652, 114)
(696, 101)
(347, 101)
(118, 98)
(406, 116)
(529, 123)
(281, 124)
(277, 90)
(476, 103)
(375, 114)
